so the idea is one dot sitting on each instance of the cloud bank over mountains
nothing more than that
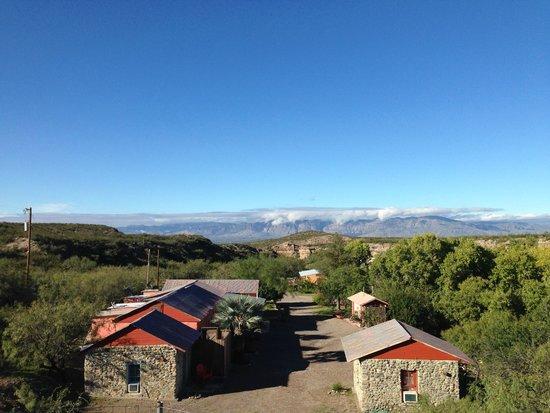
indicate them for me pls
(277, 216)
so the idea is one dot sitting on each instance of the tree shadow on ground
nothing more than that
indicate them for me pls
(326, 356)
(280, 354)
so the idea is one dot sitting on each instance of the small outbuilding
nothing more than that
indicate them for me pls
(368, 308)
(394, 363)
(313, 275)
(150, 358)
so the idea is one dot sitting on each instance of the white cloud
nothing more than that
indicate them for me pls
(52, 208)
(60, 213)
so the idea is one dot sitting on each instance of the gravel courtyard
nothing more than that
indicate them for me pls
(297, 364)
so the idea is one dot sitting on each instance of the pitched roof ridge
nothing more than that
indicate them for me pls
(168, 322)
(453, 351)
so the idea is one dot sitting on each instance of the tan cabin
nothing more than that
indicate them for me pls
(365, 306)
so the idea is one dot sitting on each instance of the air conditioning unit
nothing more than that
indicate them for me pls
(133, 388)
(410, 396)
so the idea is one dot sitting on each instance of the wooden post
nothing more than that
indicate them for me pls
(158, 267)
(148, 263)
(29, 235)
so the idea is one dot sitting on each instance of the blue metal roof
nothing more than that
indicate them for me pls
(167, 329)
(192, 299)
(159, 325)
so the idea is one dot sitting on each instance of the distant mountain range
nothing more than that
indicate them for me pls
(390, 227)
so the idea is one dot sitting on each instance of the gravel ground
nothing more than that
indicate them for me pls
(297, 363)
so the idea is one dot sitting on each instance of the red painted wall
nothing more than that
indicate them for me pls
(170, 311)
(101, 327)
(136, 337)
(414, 350)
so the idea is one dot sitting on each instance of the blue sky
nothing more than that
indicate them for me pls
(158, 107)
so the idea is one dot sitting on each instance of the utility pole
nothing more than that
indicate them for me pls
(158, 267)
(148, 264)
(29, 235)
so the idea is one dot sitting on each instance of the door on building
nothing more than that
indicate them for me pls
(409, 380)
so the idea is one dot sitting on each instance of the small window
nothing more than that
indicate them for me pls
(134, 377)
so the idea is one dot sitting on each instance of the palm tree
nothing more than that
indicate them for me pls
(239, 313)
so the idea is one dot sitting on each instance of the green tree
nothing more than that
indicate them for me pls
(273, 273)
(337, 284)
(412, 261)
(80, 264)
(12, 284)
(191, 269)
(466, 260)
(46, 335)
(239, 313)
(357, 252)
(513, 265)
(513, 357)
(410, 304)
(467, 302)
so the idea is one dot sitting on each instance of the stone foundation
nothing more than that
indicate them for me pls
(378, 382)
(163, 371)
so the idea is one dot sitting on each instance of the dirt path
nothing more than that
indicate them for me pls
(297, 364)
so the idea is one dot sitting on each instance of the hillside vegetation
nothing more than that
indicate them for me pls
(107, 246)
(319, 239)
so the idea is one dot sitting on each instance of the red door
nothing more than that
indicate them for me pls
(409, 380)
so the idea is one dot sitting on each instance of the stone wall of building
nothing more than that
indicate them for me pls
(358, 380)
(379, 386)
(162, 371)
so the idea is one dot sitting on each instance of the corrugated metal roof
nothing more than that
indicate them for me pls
(192, 299)
(307, 273)
(159, 325)
(120, 309)
(373, 339)
(172, 284)
(237, 286)
(168, 329)
(436, 342)
(389, 334)
(363, 298)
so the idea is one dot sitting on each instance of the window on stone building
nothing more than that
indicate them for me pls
(133, 377)
(409, 385)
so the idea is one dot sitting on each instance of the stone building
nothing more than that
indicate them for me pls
(394, 363)
(148, 358)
